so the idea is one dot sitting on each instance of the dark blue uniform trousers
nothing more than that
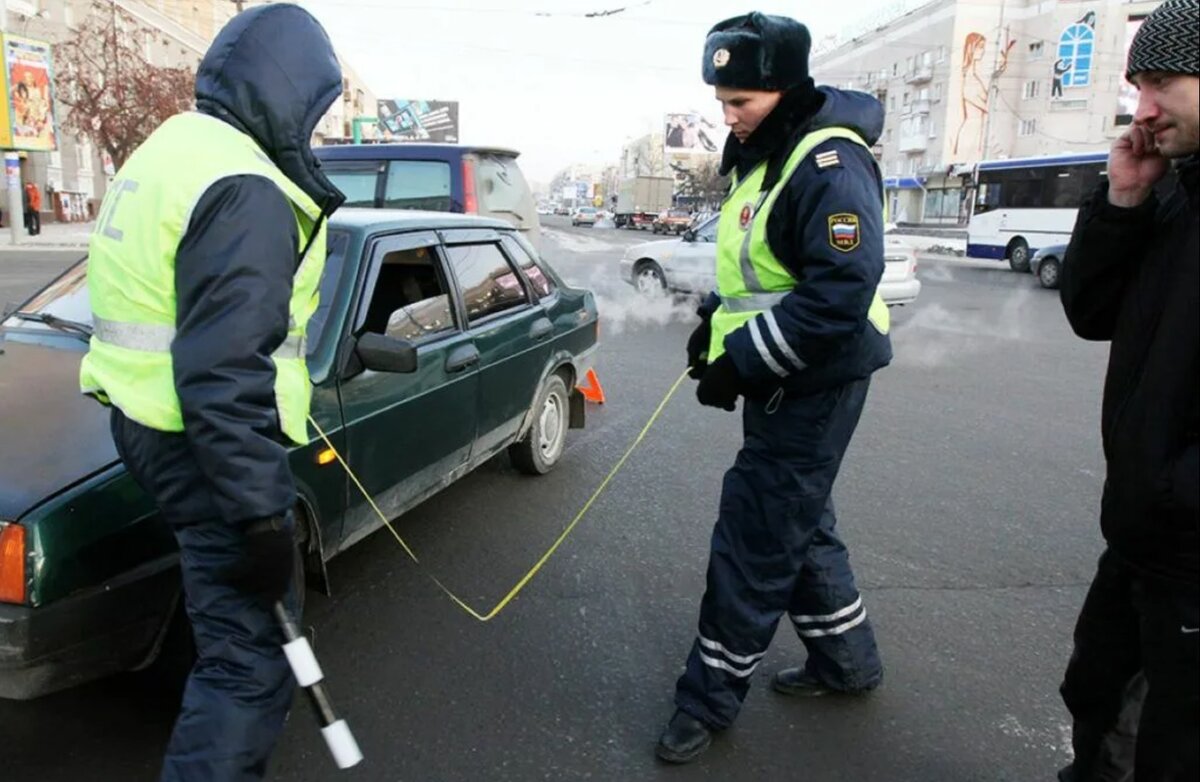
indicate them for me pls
(775, 551)
(240, 689)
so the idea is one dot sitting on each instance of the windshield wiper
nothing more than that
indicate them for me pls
(82, 330)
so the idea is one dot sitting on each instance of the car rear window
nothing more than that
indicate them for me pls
(418, 184)
(357, 180)
(500, 183)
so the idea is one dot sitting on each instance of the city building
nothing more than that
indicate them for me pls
(176, 33)
(969, 80)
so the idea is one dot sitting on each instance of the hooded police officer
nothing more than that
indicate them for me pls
(203, 273)
(796, 328)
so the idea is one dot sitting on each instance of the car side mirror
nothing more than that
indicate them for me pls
(385, 354)
(689, 235)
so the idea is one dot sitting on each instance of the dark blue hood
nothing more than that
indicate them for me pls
(272, 73)
(857, 111)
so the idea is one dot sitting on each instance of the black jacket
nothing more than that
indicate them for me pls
(1132, 277)
(819, 334)
(271, 73)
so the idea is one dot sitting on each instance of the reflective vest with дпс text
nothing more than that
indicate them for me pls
(750, 279)
(131, 271)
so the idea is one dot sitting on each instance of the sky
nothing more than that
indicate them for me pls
(540, 76)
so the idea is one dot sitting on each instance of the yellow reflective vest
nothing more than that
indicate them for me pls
(750, 279)
(131, 271)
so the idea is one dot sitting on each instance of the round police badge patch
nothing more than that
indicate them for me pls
(747, 213)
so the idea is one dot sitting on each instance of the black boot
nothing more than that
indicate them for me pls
(798, 681)
(684, 738)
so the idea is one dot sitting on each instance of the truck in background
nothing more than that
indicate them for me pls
(641, 199)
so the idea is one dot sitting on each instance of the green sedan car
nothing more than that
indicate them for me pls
(441, 340)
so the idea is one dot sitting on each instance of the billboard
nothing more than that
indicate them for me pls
(419, 120)
(1127, 94)
(689, 133)
(27, 96)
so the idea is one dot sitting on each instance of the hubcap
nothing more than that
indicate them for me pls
(648, 282)
(552, 427)
(1049, 274)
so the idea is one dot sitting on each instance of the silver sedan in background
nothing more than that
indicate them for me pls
(689, 265)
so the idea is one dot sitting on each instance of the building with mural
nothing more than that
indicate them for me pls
(969, 80)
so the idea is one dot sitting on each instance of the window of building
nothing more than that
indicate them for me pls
(907, 98)
(908, 65)
(1035, 50)
(892, 103)
(489, 283)
(1031, 90)
(1075, 55)
(895, 68)
(1028, 127)
(887, 136)
(937, 91)
(941, 54)
(933, 128)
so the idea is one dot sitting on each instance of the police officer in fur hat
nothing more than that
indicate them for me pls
(795, 331)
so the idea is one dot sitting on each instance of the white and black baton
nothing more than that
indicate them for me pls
(304, 664)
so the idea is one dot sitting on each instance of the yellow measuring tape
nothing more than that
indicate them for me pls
(550, 552)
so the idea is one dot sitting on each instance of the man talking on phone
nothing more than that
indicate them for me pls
(1132, 278)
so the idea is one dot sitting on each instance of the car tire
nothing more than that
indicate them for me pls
(1018, 255)
(542, 446)
(1048, 273)
(649, 279)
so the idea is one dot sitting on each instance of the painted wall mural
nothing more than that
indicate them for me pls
(976, 94)
(1074, 55)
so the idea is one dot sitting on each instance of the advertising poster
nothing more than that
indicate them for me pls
(690, 133)
(29, 96)
(419, 120)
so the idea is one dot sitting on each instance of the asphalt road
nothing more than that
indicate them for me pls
(968, 500)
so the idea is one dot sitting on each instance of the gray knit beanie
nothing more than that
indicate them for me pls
(1168, 41)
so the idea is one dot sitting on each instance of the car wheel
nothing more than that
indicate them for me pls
(542, 446)
(649, 279)
(1018, 256)
(1048, 273)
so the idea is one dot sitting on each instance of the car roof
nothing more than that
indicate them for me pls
(402, 151)
(355, 219)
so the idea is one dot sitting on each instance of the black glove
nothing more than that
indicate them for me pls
(720, 385)
(697, 349)
(267, 562)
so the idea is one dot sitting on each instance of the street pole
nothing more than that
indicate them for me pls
(993, 84)
(12, 166)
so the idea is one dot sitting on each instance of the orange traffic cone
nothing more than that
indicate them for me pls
(591, 389)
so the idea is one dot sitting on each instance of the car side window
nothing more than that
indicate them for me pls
(489, 282)
(418, 184)
(411, 299)
(541, 283)
(708, 231)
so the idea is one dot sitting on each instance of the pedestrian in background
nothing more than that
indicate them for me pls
(796, 327)
(1132, 278)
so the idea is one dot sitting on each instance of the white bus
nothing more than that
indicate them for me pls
(1025, 204)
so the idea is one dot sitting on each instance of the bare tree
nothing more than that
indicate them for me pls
(703, 182)
(113, 94)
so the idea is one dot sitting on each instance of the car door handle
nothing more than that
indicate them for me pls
(541, 328)
(461, 358)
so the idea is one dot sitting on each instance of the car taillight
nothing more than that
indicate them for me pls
(12, 563)
(470, 200)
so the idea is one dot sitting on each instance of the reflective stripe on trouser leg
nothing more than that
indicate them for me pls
(829, 615)
(771, 506)
(240, 690)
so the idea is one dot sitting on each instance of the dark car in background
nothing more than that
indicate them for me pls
(485, 181)
(440, 341)
(1047, 264)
